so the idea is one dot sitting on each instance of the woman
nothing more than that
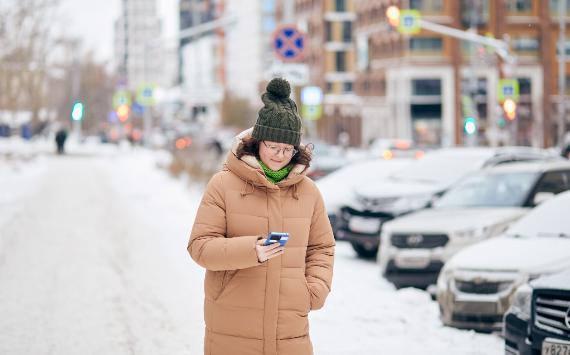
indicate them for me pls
(257, 297)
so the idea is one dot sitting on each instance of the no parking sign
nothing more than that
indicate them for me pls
(289, 43)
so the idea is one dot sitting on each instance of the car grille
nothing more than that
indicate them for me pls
(477, 318)
(482, 288)
(351, 211)
(550, 312)
(428, 241)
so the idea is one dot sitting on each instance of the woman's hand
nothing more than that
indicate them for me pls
(266, 252)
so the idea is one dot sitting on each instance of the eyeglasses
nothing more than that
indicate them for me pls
(287, 152)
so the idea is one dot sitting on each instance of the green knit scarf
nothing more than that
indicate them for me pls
(275, 176)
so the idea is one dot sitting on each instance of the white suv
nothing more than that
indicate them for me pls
(415, 247)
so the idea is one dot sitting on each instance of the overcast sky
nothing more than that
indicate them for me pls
(93, 22)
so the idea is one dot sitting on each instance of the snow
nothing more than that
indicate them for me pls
(94, 261)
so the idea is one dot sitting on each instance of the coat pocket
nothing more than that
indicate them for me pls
(308, 292)
(226, 278)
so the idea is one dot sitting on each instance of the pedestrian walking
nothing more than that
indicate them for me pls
(60, 138)
(257, 297)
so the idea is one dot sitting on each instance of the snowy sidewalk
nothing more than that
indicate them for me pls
(95, 263)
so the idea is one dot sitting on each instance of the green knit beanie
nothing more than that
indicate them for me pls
(278, 120)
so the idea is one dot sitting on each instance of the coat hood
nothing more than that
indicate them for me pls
(248, 168)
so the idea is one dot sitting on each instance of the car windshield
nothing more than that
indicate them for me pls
(442, 169)
(549, 219)
(490, 189)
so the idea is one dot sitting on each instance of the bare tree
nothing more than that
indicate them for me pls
(28, 41)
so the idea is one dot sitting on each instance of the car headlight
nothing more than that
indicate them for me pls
(476, 232)
(411, 203)
(443, 278)
(522, 301)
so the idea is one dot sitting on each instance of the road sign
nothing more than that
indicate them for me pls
(295, 73)
(409, 21)
(312, 112)
(289, 43)
(122, 98)
(312, 95)
(508, 89)
(145, 94)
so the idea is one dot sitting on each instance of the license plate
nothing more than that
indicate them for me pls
(364, 225)
(555, 347)
(413, 259)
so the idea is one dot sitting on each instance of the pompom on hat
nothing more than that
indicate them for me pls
(278, 121)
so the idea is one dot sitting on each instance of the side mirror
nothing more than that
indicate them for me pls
(540, 197)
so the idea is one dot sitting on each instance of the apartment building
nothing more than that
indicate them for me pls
(331, 58)
(137, 24)
(411, 86)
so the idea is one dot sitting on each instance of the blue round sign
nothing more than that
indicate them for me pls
(289, 43)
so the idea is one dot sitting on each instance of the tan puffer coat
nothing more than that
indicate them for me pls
(261, 308)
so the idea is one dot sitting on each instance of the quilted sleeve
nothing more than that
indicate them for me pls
(320, 255)
(208, 245)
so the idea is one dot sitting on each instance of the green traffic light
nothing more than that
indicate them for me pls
(470, 126)
(501, 122)
(77, 111)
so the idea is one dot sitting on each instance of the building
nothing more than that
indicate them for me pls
(332, 61)
(413, 86)
(137, 25)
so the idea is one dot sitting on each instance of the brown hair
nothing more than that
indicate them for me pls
(250, 146)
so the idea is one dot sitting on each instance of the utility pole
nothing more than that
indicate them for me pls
(472, 139)
(75, 85)
(561, 72)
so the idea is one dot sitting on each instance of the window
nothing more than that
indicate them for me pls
(340, 5)
(427, 6)
(329, 31)
(426, 44)
(475, 10)
(340, 61)
(518, 6)
(329, 87)
(555, 182)
(526, 44)
(268, 6)
(525, 86)
(268, 24)
(431, 87)
(348, 87)
(554, 7)
(347, 31)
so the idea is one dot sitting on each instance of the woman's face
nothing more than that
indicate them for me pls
(275, 156)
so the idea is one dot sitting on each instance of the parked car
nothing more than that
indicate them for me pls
(476, 286)
(416, 246)
(415, 187)
(389, 148)
(337, 187)
(326, 160)
(538, 321)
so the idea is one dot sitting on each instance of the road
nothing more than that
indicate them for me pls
(94, 262)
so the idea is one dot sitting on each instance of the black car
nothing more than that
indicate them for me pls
(538, 322)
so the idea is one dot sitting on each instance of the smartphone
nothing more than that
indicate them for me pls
(275, 237)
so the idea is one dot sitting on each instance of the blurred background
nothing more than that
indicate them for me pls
(441, 143)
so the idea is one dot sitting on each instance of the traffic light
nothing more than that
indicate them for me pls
(470, 126)
(123, 112)
(393, 14)
(510, 108)
(77, 111)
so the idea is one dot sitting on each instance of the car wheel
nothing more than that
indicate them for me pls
(364, 252)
